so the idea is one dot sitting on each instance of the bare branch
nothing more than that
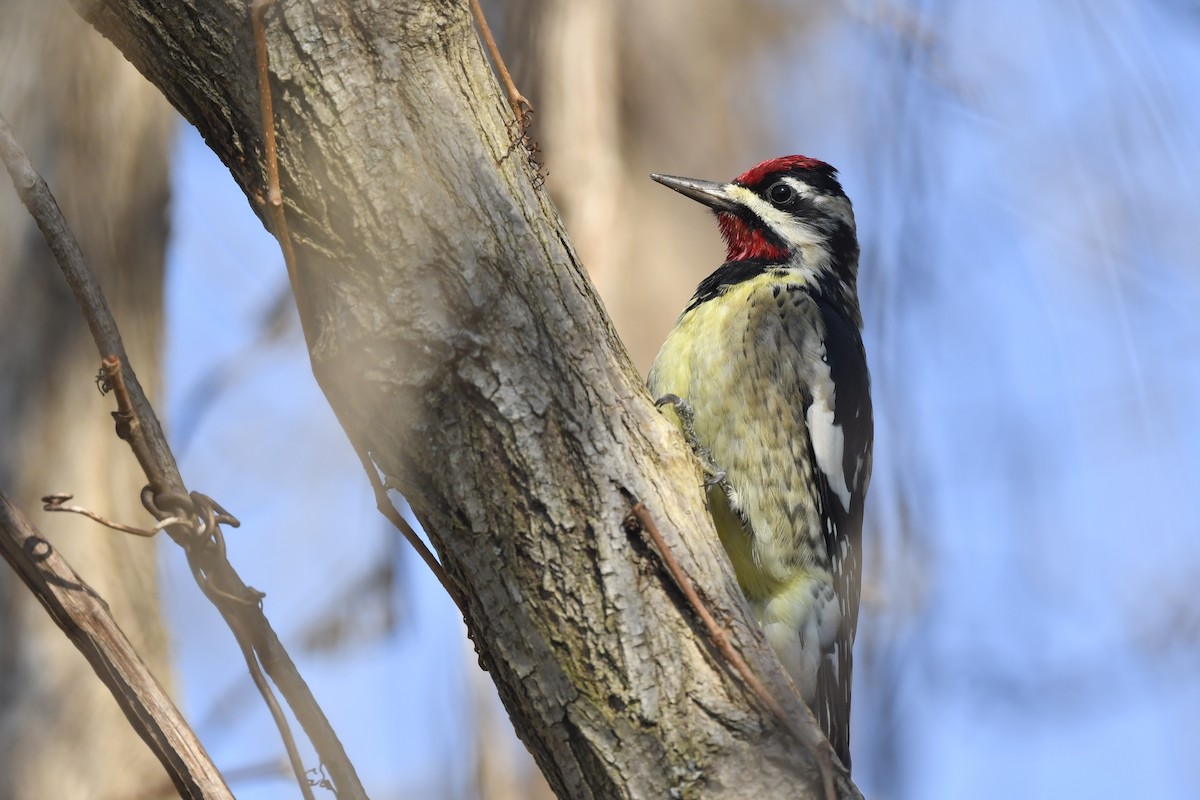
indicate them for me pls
(201, 537)
(520, 104)
(384, 504)
(285, 731)
(84, 617)
(274, 201)
(150, 447)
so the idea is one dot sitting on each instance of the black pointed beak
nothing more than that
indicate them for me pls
(713, 195)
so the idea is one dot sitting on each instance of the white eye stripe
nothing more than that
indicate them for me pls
(786, 226)
(836, 207)
(802, 189)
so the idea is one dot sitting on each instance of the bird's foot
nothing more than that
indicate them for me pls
(714, 476)
(687, 421)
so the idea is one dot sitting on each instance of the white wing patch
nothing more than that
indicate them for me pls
(828, 439)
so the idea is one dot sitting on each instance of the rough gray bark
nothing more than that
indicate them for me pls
(98, 131)
(623, 88)
(459, 340)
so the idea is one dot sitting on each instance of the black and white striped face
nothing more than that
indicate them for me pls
(782, 209)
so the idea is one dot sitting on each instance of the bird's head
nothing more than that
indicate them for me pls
(784, 210)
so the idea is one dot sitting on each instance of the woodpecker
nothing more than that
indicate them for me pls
(765, 374)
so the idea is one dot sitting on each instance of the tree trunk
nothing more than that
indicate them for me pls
(99, 134)
(458, 339)
(623, 88)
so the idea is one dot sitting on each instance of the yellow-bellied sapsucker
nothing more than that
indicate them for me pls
(766, 374)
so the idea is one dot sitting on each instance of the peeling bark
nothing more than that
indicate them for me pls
(461, 343)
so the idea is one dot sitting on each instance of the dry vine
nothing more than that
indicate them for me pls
(198, 529)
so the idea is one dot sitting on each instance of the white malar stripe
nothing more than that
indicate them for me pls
(791, 230)
(795, 232)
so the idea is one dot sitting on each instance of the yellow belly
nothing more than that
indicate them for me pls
(739, 361)
(749, 414)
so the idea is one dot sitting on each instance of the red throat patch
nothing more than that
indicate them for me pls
(744, 242)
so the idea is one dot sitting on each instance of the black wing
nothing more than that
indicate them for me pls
(843, 538)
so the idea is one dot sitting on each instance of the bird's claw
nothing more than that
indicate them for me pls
(717, 479)
(682, 407)
(687, 418)
(714, 476)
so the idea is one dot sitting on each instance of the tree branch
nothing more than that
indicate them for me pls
(200, 536)
(83, 616)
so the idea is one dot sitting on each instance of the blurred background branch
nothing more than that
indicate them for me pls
(96, 128)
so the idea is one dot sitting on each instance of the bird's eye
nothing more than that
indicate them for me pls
(781, 193)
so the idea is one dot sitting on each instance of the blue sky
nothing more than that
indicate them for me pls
(1031, 289)
(1025, 185)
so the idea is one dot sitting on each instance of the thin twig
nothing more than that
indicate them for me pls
(812, 739)
(258, 11)
(519, 102)
(54, 502)
(268, 696)
(237, 602)
(148, 442)
(210, 513)
(384, 504)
